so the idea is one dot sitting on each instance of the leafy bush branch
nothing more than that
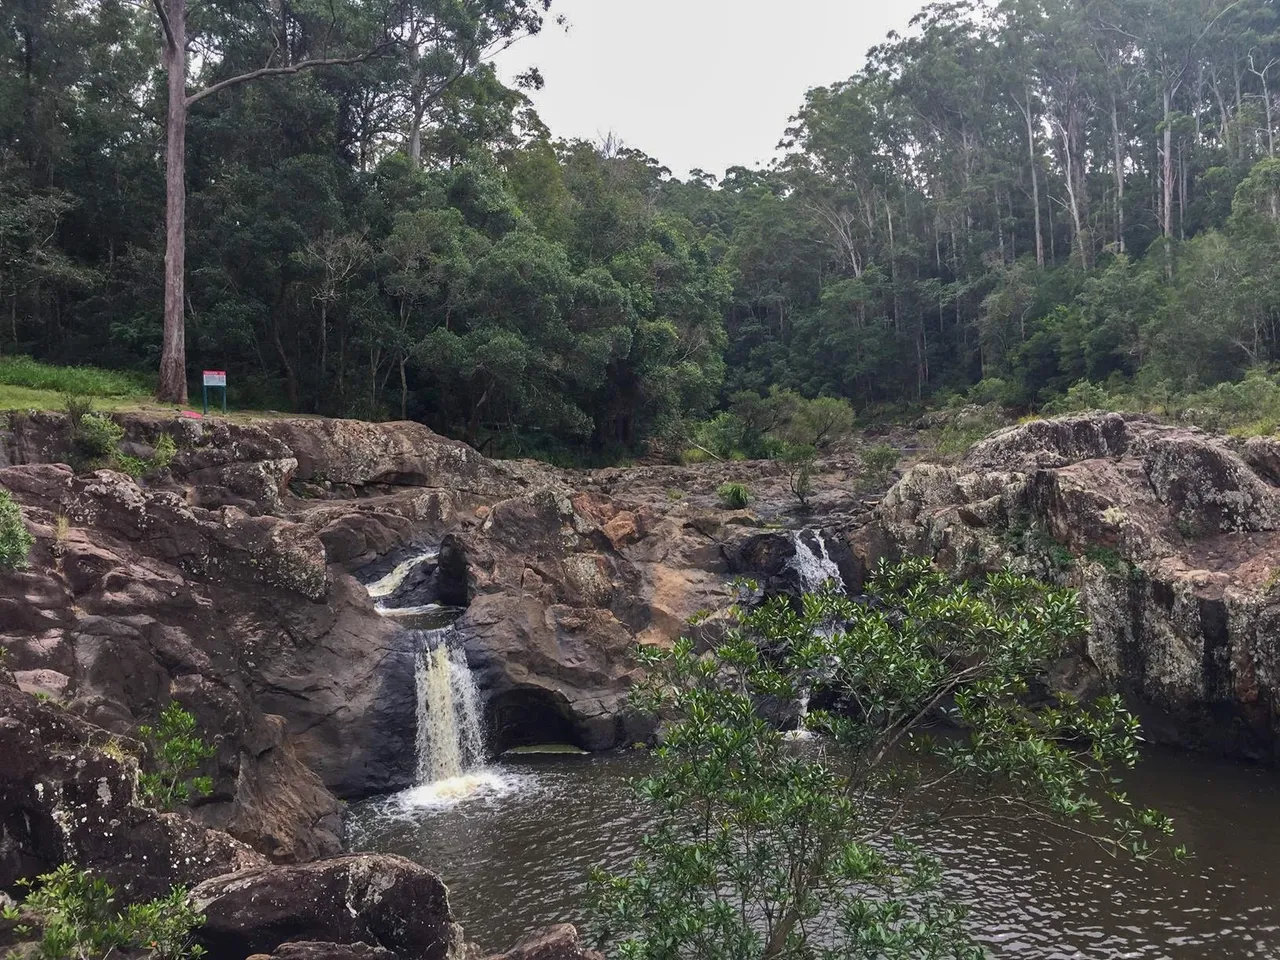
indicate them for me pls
(15, 539)
(177, 751)
(76, 917)
(759, 843)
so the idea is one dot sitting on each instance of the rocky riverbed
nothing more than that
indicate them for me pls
(234, 582)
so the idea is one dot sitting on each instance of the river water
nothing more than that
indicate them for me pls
(518, 858)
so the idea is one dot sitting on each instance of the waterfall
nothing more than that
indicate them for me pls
(813, 568)
(450, 741)
(801, 732)
(449, 735)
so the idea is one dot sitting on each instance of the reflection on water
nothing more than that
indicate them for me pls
(519, 859)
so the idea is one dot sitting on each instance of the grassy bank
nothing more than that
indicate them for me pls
(27, 384)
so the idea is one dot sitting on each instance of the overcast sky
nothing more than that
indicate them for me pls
(696, 83)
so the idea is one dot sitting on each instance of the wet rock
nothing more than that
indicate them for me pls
(380, 901)
(311, 950)
(560, 942)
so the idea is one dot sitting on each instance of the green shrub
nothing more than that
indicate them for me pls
(1079, 397)
(133, 466)
(77, 406)
(15, 539)
(800, 465)
(879, 462)
(78, 920)
(95, 436)
(734, 496)
(176, 752)
(694, 456)
(750, 836)
(166, 450)
(722, 435)
(994, 390)
(819, 422)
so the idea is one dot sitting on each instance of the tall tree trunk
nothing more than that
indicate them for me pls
(1166, 168)
(1035, 180)
(1271, 127)
(1119, 161)
(404, 390)
(173, 356)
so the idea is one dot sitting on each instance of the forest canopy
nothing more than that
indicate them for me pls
(1006, 201)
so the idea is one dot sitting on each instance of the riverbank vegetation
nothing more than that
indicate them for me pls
(77, 917)
(1025, 202)
(769, 848)
(15, 540)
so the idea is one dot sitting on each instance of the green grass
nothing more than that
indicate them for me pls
(23, 372)
(25, 398)
(27, 384)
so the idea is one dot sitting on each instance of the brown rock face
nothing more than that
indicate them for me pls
(1171, 534)
(358, 454)
(311, 950)
(380, 901)
(224, 581)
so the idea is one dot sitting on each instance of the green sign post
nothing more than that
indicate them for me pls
(218, 380)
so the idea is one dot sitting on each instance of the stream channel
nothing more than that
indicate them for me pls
(516, 839)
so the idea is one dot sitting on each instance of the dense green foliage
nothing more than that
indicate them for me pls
(77, 919)
(15, 539)
(765, 848)
(1006, 201)
(176, 751)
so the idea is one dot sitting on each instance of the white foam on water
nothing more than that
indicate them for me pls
(410, 611)
(481, 785)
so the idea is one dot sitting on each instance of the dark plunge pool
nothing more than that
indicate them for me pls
(517, 858)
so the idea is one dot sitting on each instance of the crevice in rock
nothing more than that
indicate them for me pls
(527, 717)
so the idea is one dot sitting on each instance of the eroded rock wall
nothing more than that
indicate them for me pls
(1169, 532)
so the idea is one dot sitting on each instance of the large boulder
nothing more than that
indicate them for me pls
(380, 901)
(133, 599)
(1169, 532)
(356, 453)
(68, 793)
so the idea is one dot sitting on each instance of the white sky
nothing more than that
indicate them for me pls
(696, 83)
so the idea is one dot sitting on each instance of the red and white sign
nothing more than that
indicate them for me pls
(215, 378)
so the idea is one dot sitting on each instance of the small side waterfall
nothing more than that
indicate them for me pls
(801, 732)
(813, 567)
(389, 584)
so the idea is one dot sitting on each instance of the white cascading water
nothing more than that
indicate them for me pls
(389, 584)
(450, 742)
(801, 732)
(450, 735)
(813, 570)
